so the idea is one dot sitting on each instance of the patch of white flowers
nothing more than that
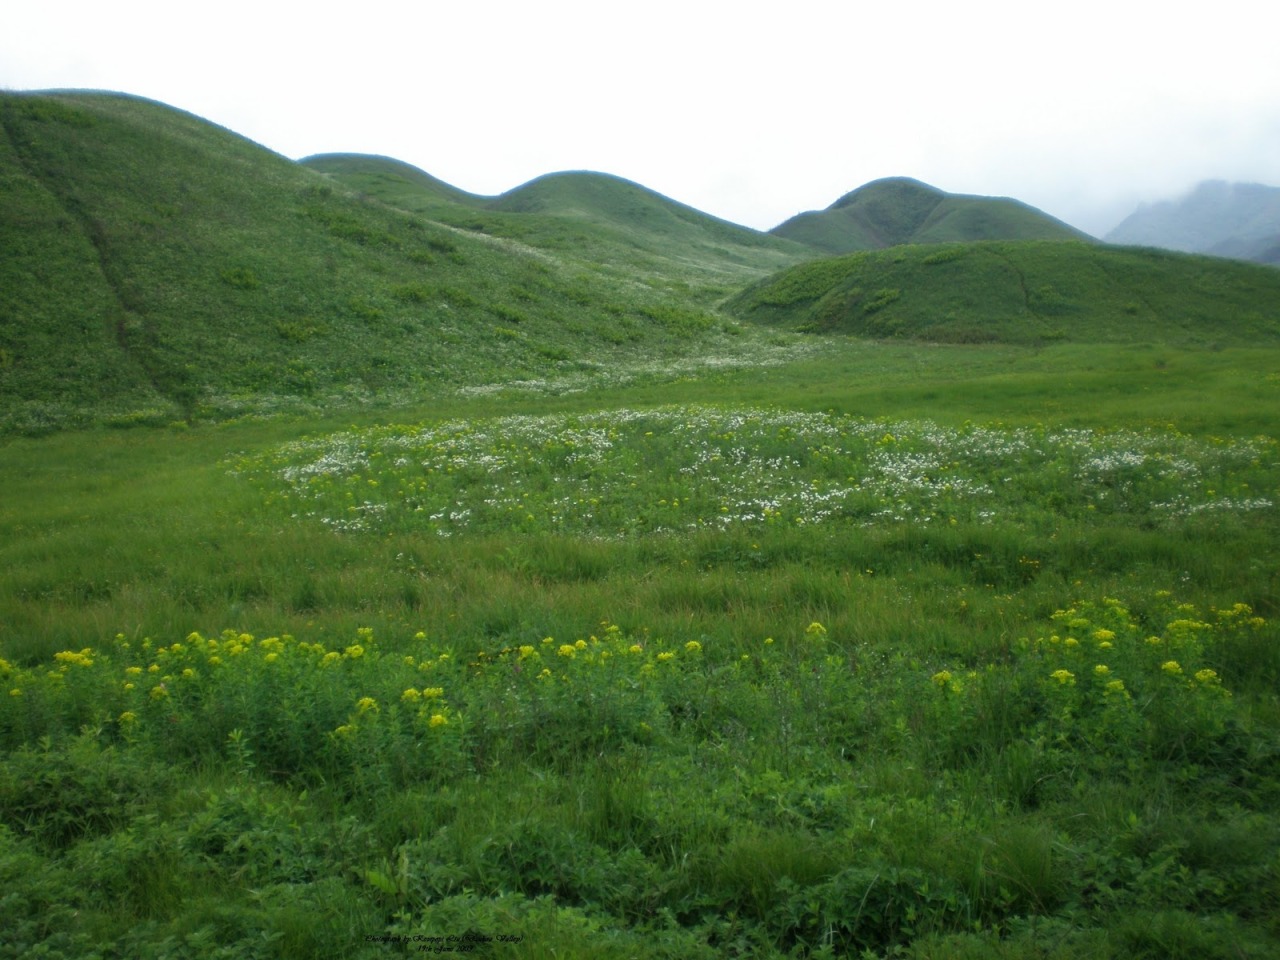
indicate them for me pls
(680, 468)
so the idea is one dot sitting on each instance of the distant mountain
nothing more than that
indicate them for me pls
(898, 210)
(1238, 220)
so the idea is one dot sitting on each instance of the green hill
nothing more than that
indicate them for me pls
(606, 220)
(1023, 292)
(392, 181)
(153, 265)
(899, 210)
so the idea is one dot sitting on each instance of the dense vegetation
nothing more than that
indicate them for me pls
(898, 210)
(770, 644)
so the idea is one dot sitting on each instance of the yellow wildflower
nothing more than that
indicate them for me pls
(635, 648)
(128, 717)
(1104, 635)
(132, 671)
(366, 704)
(438, 720)
(159, 693)
(693, 646)
(15, 692)
(189, 674)
(526, 651)
(411, 696)
(1171, 667)
(1207, 676)
(665, 656)
(581, 644)
(1065, 677)
(1102, 669)
(567, 650)
(430, 693)
(330, 657)
(1115, 686)
(271, 657)
(354, 652)
(815, 630)
(942, 678)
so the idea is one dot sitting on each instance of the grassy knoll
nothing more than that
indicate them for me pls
(902, 650)
(899, 210)
(1032, 292)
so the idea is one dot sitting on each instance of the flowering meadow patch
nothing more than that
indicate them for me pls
(688, 468)
(635, 743)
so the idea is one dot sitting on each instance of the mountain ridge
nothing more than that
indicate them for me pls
(1216, 217)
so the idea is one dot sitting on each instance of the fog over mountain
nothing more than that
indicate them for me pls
(1239, 220)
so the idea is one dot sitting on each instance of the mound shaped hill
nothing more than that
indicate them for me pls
(388, 178)
(899, 210)
(1238, 220)
(1024, 293)
(154, 265)
(607, 220)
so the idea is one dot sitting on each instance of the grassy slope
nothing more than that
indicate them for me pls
(393, 181)
(900, 210)
(609, 221)
(1023, 293)
(175, 268)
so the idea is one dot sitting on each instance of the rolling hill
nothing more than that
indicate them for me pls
(1023, 292)
(899, 210)
(607, 220)
(154, 265)
(1238, 220)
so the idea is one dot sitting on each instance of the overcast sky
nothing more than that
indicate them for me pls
(752, 112)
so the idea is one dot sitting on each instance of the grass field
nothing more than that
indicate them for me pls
(891, 650)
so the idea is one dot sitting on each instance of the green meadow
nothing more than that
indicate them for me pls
(386, 570)
(914, 651)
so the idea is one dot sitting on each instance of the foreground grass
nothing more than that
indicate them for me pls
(1048, 732)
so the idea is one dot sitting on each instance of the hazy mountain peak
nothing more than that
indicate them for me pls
(1240, 220)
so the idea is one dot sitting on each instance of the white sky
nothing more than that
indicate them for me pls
(749, 111)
